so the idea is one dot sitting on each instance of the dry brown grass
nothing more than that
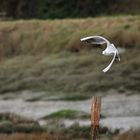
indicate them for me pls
(130, 135)
(40, 136)
(35, 36)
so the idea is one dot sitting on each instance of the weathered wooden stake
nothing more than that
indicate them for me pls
(95, 116)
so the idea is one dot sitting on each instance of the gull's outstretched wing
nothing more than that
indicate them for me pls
(94, 40)
(109, 66)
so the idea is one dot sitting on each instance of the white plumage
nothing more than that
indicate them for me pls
(110, 50)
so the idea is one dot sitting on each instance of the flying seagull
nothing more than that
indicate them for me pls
(110, 50)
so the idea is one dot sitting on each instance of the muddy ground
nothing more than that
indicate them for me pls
(119, 111)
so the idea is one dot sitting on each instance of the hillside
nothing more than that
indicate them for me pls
(47, 55)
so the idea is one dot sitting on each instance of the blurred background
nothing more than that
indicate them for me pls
(48, 77)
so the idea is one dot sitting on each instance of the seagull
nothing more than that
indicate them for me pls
(110, 50)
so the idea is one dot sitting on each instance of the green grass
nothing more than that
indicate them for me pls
(68, 114)
(71, 98)
(69, 75)
(48, 56)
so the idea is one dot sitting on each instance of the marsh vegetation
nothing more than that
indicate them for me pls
(47, 74)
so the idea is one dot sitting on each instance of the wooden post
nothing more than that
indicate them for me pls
(95, 116)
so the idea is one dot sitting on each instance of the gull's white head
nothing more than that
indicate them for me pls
(110, 50)
(104, 52)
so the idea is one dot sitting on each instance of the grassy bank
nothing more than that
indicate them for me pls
(52, 36)
(48, 56)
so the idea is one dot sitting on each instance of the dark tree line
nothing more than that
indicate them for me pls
(19, 8)
(65, 8)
